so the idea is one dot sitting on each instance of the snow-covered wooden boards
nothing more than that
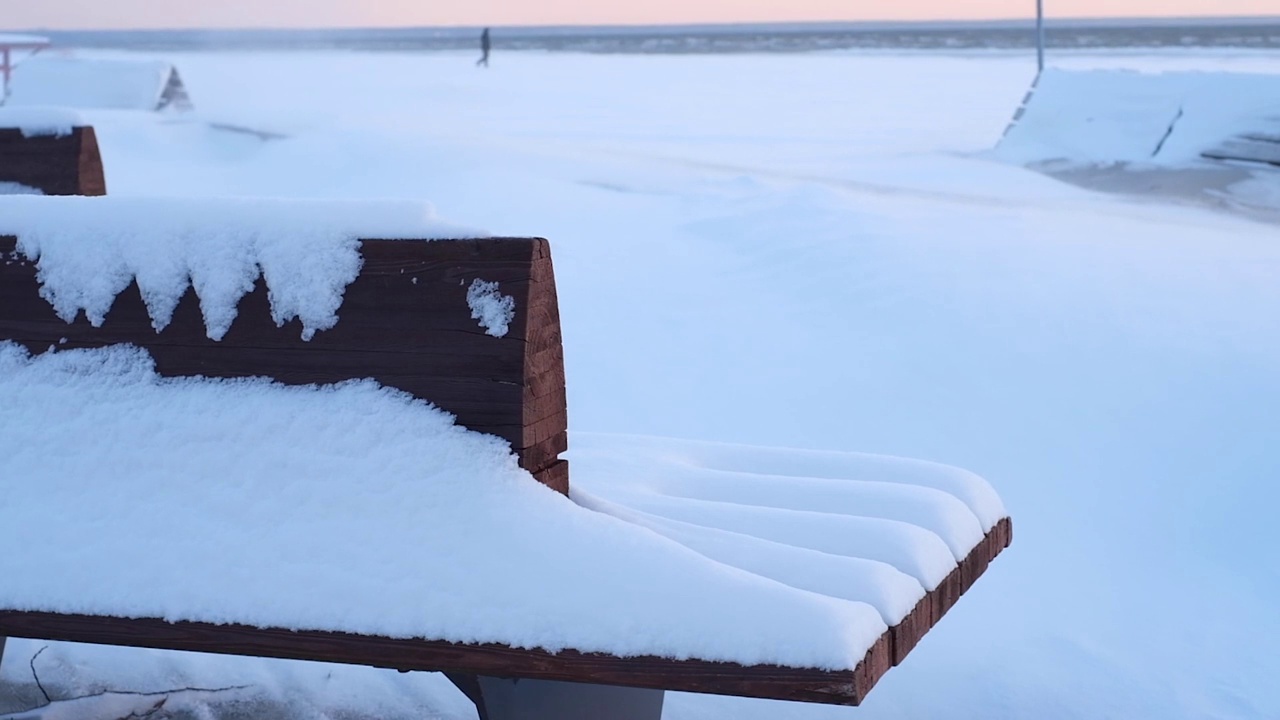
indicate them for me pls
(405, 322)
(346, 523)
(54, 163)
(906, 537)
(843, 687)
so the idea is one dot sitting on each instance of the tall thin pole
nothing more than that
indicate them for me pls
(1040, 35)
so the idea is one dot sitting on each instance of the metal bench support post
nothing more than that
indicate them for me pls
(523, 699)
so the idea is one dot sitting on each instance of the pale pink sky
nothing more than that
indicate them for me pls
(67, 14)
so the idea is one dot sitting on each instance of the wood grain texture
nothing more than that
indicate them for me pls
(54, 164)
(404, 322)
(848, 687)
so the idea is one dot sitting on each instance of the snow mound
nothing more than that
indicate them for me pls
(89, 249)
(349, 508)
(36, 121)
(1102, 117)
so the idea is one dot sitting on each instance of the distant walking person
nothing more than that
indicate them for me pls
(484, 49)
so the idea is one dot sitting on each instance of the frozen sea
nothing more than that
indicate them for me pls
(818, 250)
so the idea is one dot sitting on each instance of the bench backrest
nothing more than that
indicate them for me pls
(405, 322)
(55, 164)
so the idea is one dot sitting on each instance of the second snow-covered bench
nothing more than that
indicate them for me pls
(48, 151)
(289, 517)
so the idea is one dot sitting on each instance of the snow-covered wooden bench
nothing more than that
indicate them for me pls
(48, 151)
(352, 524)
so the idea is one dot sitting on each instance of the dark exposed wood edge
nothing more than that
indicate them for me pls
(545, 404)
(555, 476)
(908, 633)
(762, 681)
(1258, 137)
(92, 178)
(54, 164)
(766, 681)
(1213, 155)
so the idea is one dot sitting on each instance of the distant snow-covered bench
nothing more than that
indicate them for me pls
(48, 151)
(215, 436)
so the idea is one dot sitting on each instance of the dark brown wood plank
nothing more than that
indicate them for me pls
(481, 659)
(54, 164)
(404, 322)
(545, 419)
(555, 476)
(762, 681)
(1247, 149)
(929, 611)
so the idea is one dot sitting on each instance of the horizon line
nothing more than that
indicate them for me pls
(1054, 20)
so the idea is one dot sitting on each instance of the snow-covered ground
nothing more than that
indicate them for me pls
(820, 251)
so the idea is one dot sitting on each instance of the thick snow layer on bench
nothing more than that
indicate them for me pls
(89, 249)
(37, 121)
(876, 529)
(1100, 117)
(351, 508)
(115, 84)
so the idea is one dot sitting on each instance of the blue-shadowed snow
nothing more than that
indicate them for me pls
(350, 508)
(902, 522)
(819, 251)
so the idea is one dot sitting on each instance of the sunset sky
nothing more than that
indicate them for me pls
(87, 14)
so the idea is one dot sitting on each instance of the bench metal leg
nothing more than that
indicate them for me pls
(2, 639)
(506, 699)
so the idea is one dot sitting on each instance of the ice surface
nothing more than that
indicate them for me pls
(494, 310)
(38, 121)
(89, 249)
(351, 508)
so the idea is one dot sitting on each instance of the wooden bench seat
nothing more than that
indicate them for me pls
(405, 323)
